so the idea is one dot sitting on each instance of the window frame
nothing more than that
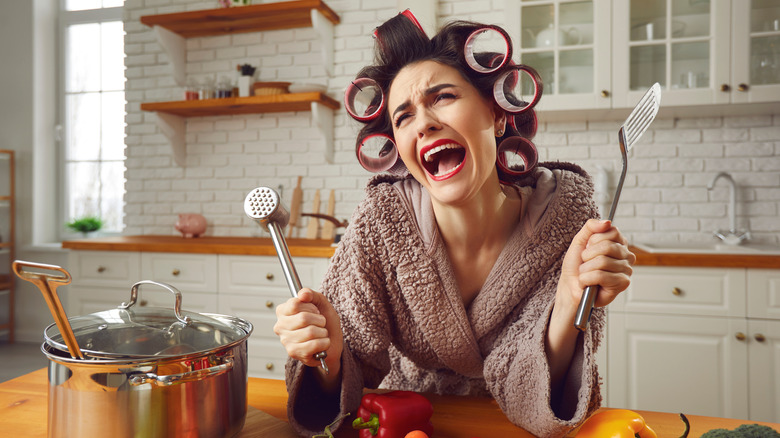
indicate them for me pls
(65, 19)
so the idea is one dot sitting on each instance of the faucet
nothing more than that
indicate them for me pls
(733, 236)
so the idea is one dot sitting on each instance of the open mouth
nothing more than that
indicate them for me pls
(443, 160)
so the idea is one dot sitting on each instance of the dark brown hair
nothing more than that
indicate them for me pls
(399, 42)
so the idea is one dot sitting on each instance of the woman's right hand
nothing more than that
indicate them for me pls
(307, 325)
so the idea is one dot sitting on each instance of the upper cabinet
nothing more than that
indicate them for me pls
(604, 54)
(172, 29)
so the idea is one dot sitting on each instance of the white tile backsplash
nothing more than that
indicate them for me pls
(665, 196)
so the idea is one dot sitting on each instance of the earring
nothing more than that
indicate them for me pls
(499, 132)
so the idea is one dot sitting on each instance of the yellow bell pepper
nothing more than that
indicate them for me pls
(616, 423)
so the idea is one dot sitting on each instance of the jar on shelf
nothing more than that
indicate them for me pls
(224, 88)
(192, 89)
(207, 88)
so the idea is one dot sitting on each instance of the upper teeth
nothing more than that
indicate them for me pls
(429, 155)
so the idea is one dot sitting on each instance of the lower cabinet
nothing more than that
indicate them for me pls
(249, 287)
(683, 340)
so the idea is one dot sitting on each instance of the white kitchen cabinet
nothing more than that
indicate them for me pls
(249, 287)
(685, 340)
(604, 54)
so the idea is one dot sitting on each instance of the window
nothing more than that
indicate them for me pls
(93, 111)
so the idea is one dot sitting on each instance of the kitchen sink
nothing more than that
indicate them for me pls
(709, 248)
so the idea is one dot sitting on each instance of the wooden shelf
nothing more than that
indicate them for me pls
(242, 105)
(253, 18)
(172, 29)
(8, 216)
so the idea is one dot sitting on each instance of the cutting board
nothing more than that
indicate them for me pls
(259, 424)
(328, 227)
(295, 208)
(314, 223)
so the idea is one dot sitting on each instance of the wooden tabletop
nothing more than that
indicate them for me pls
(23, 412)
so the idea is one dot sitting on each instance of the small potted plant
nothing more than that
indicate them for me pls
(86, 225)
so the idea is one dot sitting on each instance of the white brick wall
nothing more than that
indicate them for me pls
(664, 198)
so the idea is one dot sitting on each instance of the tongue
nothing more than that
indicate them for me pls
(448, 160)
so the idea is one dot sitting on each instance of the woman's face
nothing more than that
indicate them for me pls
(444, 130)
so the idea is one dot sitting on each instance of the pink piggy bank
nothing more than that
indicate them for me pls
(191, 224)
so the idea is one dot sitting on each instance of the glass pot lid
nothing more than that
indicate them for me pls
(132, 332)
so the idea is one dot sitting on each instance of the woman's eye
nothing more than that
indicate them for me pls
(400, 119)
(444, 96)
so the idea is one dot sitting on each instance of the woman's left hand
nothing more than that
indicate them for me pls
(598, 256)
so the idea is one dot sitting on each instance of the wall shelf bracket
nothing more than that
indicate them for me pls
(324, 29)
(322, 117)
(175, 47)
(174, 128)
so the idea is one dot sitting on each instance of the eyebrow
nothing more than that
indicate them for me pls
(428, 92)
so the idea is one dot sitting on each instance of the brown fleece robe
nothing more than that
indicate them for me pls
(405, 324)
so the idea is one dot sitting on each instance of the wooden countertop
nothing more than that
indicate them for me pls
(203, 245)
(323, 248)
(23, 412)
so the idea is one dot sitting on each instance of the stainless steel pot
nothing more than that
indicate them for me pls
(144, 372)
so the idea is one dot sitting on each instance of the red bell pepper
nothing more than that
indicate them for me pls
(393, 415)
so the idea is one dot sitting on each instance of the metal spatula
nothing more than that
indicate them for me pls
(635, 125)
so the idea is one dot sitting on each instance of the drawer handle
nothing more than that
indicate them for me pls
(269, 366)
(740, 336)
(101, 269)
(759, 337)
(269, 276)
(269, 304)
(176, 272)
(677, 291)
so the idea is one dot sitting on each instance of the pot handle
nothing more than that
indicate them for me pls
(177, 299)
(175, 379)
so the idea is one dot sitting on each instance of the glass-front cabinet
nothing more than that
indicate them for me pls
(567, 42)
(606, 53)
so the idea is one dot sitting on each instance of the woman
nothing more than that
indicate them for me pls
(459, 273)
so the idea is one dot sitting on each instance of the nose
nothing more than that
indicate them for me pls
(427, 122)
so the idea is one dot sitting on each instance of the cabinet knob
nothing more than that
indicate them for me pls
(740, 336)
(101, 269)
(759, 337)
(725, 88)
(604, 93)
(143, 303)
(677, 291)
(269, 366)
(743, 87)
(269, 276)
(176, 272)
(269, 304)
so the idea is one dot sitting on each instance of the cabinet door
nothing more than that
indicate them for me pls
(266, 354)
(568, 43)
(764, 375)
(755, 41)
(763, 293)
(263, 274)
(105, 268)
(186, 272)
(83, 300)
(684, 291)
(683, 45)
(689, 364)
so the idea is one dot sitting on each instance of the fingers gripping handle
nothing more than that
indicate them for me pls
(585, 308)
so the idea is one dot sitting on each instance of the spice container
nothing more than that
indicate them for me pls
(224, 88)
(207, 89)
(192, 90)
